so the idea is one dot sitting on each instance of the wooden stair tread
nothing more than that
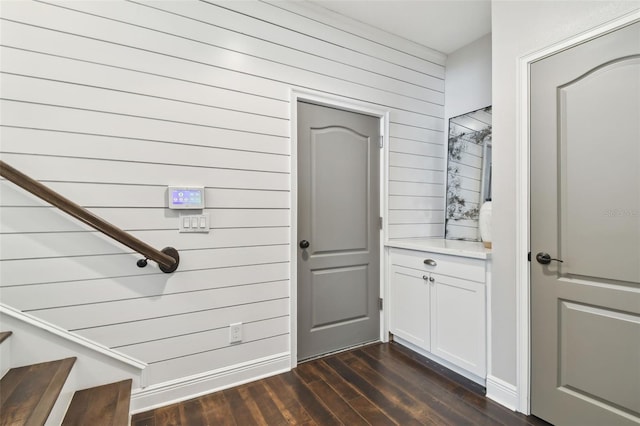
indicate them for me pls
(106, 405)
(4, 335)
(27, 394)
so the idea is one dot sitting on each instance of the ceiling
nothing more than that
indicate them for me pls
(443, 25)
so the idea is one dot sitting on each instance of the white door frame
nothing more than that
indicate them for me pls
(523, 320)
(346, 104)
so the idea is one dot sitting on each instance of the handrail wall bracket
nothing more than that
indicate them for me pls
(170, 251)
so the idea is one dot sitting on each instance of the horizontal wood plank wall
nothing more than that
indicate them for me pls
(110, 102)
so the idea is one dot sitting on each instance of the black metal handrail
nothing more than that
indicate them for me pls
(167, 258)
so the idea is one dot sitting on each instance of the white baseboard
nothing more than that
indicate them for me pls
(502, 392)
(456, 369)
(182, 389)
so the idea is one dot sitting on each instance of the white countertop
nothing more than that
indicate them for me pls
(437, 245)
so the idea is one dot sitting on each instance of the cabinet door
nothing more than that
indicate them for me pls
(409, 314)
(458, 322)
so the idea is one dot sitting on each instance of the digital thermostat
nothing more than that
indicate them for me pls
(186, 197)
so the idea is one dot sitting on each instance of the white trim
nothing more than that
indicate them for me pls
(488, 317)
(185, 388)
(502, 392)
(67, 335)
(523, 318)
(360, 107)
(443, 362)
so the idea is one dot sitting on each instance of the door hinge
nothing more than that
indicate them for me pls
(381, 223)
(381, 141)
(380, 303)
(529, 256)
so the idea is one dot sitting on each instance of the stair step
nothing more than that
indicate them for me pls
(4, 335)
(106, 405)
(29, 392)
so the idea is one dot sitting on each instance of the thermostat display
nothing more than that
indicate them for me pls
(185, 197)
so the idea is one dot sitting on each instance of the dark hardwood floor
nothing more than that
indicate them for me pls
(379, 384)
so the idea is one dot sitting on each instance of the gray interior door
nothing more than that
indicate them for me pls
(338, 231)
(585, 211)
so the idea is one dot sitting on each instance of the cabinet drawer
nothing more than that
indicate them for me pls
(454, 266)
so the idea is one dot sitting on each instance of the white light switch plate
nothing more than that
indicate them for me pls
(194, 223)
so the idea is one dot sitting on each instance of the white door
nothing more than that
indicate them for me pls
(338, 229)
(585, 232)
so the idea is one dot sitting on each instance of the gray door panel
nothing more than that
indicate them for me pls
(585, 211)
(338, 210)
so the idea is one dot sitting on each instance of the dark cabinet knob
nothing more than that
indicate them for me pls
(304, 244)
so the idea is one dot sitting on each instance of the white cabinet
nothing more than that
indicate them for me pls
(437, 303)
(458, 323)
(410, 306)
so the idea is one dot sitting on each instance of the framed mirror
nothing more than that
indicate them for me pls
(468, 173)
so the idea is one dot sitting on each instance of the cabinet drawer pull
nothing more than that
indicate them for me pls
(430, 262)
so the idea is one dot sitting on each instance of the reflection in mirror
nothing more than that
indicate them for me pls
(468, 173)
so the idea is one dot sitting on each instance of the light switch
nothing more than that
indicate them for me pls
(194, 223)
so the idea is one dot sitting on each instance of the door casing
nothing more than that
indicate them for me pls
(523, 273)
(325, 99)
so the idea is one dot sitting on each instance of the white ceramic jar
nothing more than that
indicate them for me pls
(484, 223)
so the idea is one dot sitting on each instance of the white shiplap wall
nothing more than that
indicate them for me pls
(110, 102)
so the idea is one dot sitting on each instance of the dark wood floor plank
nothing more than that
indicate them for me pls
(266, 405)
(318, 412)
(107, 405)
(284, 397)
(362, 405)
(244, 410)
(344, 388)
(469, 392)
(214, 408)
(307, 372)
(192, 413)
(29, 392)
(169, 415)
(378, 384)
(338, 406)
(412, 379)
(370, 412)
(382, 396)
(417, 409)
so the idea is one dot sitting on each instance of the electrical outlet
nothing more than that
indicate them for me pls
(235, 332)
